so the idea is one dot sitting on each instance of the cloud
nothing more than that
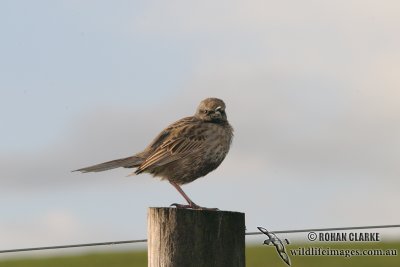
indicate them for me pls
(207, 17)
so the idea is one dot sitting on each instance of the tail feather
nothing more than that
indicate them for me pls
(128, 162)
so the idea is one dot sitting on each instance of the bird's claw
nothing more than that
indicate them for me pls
(180, 206)
(192, 206)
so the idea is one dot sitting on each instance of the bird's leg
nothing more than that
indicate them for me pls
(191, 205)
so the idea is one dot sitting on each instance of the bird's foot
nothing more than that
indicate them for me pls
(192, 206)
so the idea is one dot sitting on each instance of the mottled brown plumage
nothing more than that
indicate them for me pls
(184, 151)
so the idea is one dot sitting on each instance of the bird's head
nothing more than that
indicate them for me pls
(211, 110)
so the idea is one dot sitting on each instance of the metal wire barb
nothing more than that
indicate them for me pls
(248, 233)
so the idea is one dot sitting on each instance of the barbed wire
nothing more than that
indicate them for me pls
(248, 233)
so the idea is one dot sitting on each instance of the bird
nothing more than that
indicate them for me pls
(184, 151)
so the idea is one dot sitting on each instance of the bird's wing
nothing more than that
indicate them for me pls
(166, 134)
(173, 149)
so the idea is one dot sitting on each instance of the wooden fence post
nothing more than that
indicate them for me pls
(184, 238)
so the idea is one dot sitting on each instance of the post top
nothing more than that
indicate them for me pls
(177, 210)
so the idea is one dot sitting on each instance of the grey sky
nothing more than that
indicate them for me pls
(312, 90)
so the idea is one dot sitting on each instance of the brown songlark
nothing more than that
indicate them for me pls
(184, 151)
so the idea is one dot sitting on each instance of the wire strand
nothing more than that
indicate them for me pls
(248, 233)
(328, 229)
(75, 246)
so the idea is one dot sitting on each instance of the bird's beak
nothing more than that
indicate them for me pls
(217, 114)
(218, 110)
